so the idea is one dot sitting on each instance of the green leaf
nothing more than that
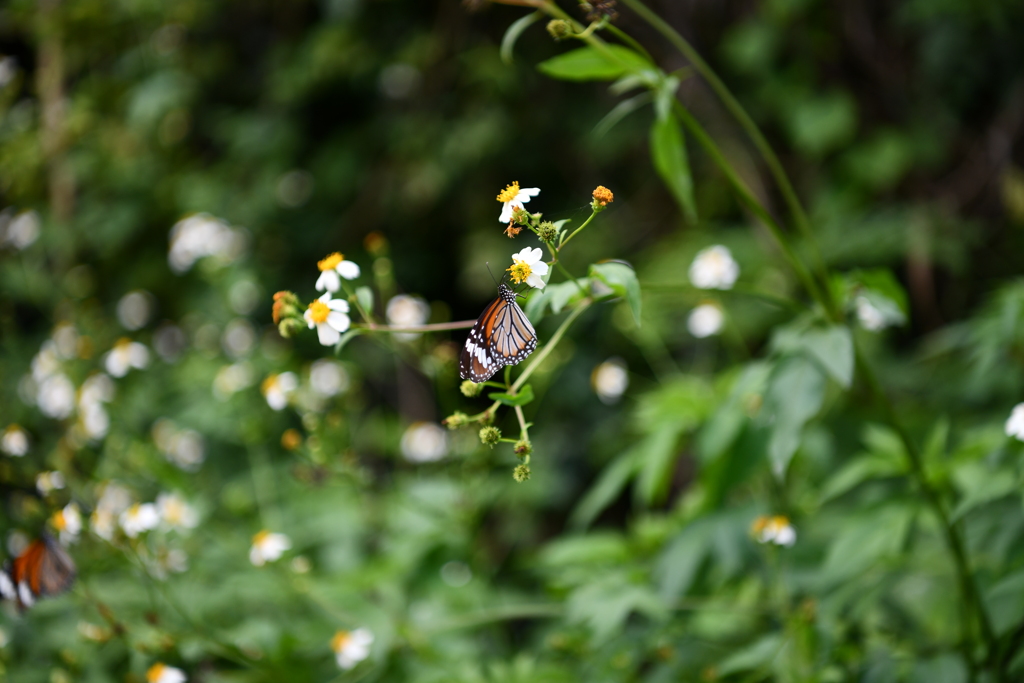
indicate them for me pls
(364, 295)
(622, 279)
(833, 348)
(605, 604)
(657, 454)
(524, 397)
(864, 540)
(857, 472)
(513, 32)
(980, 484)
(1006, 602)
(794, 396)
(346, 338)
(945, 668)
(537, 303)
(668, 152)
(609, 486)
(759, 654)
(621, 111)
(592, 64)
(562, 293)
(679, 563)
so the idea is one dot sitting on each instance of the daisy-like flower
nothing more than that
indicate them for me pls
(267, 547)
(1015, 423)
(332, 269)
(775, 529)
(714, 268)
(351, 647)
(329, 317)
(705, 320)
(175, 512)
(512, 197)
(161, 673)
(14, 441)
(68, 523)
(277, 388)
(139, 518)
(527, 266)
(126, 355)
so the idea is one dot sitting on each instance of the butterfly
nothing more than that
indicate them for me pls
(502, 336)
(43, 569)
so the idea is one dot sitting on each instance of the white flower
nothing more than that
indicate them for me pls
(175, 512)
(95, 391)
(277, 388)
(161, 673)
(46, 363)
(424, 442)
(97, 388)
(327, 378)
(56, 396)
(776, 529)
(1015, 423)
(351, 647)
(183, 447)
(705, 320)
(103, 523)
(65, 340)
(139, 518)
(267, 547)
(512, 197)
(14, 441)
(231, 379)
(610, 380)
(126, 355)
(714, 268)
(407, 311)
(114, 500)
(329, 318)
(23, 230)
(68, 523)
(134, 309)
(527, 265)
(49, 481)
(332, 268)
(870, 318)
(8, 70)
(200, 235)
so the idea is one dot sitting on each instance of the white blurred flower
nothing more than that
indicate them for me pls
(267, 547)
(114, 500)
(239, 338)
(139, 518)
(56, 396)
(49, 481)
(332, 268)
(528, 266)
(277, 388)
(14, 441)
(134, 309)
(103, 523)
(424, 442)
(68, 523)
(175, 512)
(201, 235)
(1015, 423)
(714, 268)
(174, 560)
(231, 379)
(610, 380)
(186, 449)
(97, 388)
(404, 310)
(775, 529)
(870, 318)
(95, 391)
(8, 70)
(65, 340)
(23, 230)
(161, 673)
(327, 378)
(705, 320)
(351, 647)
(126, 355)
(329, 318)
(511, 197)
(46, 363)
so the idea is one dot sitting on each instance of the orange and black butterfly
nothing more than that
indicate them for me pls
(502, 336)
(43, 569)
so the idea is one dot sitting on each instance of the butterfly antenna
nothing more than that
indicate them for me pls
(496, 283)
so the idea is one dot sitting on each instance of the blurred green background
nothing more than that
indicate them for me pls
(308, 127)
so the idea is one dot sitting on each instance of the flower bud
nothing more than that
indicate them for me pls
(286, 305)
(559, 30)
(521, 473)
(469, 388)
(520, 216)
(602, 198)
(455, 420)
(290, 326)
(523, 448)
(547, 232)
(490, 436)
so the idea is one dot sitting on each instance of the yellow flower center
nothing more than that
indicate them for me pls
(340, 640)
(269, 383)
(59, 523)
(509, 193)
(155, 672)
(261, 537)
(319, 311)
(122, 344)
(519, 270)
(330, 262)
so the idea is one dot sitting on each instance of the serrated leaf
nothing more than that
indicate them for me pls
(668, 153)
(622, 279)
(592, 64)
(513, 32)
(524, 397)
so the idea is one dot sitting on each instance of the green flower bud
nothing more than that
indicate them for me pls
(490, 436)
(290, 326)
(521, 473)
(547, 232)
(559, 30)
(520, 216)
(455, 420)
(522, 448)
(469, 388)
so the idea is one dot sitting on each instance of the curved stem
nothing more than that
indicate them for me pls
(577, 230)
(433, 327)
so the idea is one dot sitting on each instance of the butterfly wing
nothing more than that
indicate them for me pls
(513, 337)
(56, 569)
(477, 362)
(43, 569)
(502, 336)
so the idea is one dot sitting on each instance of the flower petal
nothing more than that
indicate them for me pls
(540, 268)
(506, 212)
(308, 317)
(535, 281)
(328, 280)
(327, 334)
(348, 270)
(527, 192)
(338, 321)
(338, 305)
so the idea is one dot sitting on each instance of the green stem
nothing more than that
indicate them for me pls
(524, 433)
(577, 230)
(432, 327)
(567, 274)
(355, 299)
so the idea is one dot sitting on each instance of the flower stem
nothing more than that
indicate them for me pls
(577, 230)
(567, 274)
(433, 327)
